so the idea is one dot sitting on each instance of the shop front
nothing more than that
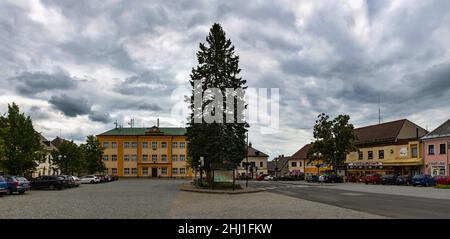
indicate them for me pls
(357, 170)
(437, 168)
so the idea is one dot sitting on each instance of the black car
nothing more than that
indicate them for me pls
(333, 178)
(390, 179)
(403, 180)
(51, 182)
(17, 184)
(69, 182)
(312, 179)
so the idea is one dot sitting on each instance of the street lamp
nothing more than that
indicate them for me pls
(318, 155)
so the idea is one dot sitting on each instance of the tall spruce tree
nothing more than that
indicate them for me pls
(218, 67)
(21, 143)
(92, 154)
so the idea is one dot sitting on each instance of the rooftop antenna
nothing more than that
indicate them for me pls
(116, 124)
(157, 122)
(379, 110)
(131, 123)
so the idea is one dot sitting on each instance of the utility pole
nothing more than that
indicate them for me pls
(246, 166)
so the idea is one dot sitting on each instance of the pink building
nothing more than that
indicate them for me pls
(436, 145)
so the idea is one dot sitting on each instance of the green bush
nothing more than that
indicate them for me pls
(442, 186)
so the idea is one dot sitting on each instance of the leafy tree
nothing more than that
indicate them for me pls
(334, 139)
(21, 143)
(92, 153)
(69, 158)
(218, 67)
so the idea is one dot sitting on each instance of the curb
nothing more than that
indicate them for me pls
(190, 188)
(311, 184)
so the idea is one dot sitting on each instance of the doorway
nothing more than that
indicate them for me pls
(154, 172)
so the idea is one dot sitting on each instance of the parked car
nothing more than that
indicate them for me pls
(403, 180)
(390, 179)
(90, 179)
(423, 179)
(261, 177)
(352, 179)
(312, 179)
(102, 178)
(51, 182)
(77, 181)
(333, 178)
(3, 186)
(442, 180)
(372, 179)
(69, 182)
(17, 184)
(114, 177)
(268, 178)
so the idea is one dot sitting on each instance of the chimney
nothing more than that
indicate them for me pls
(417, 133)
(157, 123)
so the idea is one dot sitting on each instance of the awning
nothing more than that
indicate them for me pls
(403, 162)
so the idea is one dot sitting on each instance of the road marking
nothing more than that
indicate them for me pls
(352, 194)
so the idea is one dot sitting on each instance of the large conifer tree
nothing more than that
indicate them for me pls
(218, 67)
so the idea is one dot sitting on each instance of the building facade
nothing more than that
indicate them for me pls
(258, 164)
(46, 166)
(299, 163)
(145, 152)
(435, 147)
(392, 147)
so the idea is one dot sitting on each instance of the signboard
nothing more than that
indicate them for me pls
(403, 152)
(223, 176)
(438, 163)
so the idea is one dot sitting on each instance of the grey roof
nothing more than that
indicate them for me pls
(252, 152)
(441, 131)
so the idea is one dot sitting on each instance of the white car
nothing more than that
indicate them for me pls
(90, 179)
(322, 178)
(268, 178)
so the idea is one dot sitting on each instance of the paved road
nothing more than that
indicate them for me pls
(384, 204)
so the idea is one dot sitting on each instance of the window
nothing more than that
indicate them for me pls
(182, 157)
(163, 171)
(114, 145)
(144, 157)
(154, 157)
(174, 157)
(126, 157)
(360, 155)
(175, 171)
(182, 145)
(163, 145)
(126, 171)
(261, 164)
(145, 145)
(105, 145)
(114, 171)
(431, 149)
(381, 154)
(134, 171)
(414, 153)
(133, 157)
(144, 171)
(370, 154)
(300, 164)
(442, 149)
(113, 157)
(106, 170)
(154, 145)
(164, 157)
(105, 157)
(174, 145)
(126, 145)
(134, 145)
(182, 170)
(294, 164)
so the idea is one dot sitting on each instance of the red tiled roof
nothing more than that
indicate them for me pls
(379, 133)
(301, 153)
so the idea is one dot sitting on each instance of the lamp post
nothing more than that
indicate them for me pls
(246, 166)
(318, 155)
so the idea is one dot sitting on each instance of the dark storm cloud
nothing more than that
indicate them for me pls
(100, 117)
(71, 106)
(30, 83)
(146, 83)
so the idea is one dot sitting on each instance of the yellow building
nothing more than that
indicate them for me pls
(299, 163)
(145, 152)
(392, 147)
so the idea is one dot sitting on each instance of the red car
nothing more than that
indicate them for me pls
(261, 177)
(372, 179)
(442, 180)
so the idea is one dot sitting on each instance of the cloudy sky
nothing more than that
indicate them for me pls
(77, 66)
